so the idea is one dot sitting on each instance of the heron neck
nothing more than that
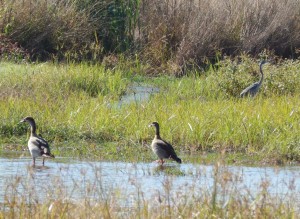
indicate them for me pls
(262, 74)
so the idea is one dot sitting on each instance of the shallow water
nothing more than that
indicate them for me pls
(137, 94)
(127, 182)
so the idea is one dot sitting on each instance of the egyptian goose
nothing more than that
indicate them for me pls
(162, 148)
(37, 146)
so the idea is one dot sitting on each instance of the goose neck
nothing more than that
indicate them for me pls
(32, 128)
(157, 132)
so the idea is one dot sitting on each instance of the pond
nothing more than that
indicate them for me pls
(137, 94)
(127, 183)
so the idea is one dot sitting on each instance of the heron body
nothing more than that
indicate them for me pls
(253, 89)
(38, 147)
(161, 148)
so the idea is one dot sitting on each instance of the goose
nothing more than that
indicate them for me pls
(38, 147)
(252, 90)
(162, 148)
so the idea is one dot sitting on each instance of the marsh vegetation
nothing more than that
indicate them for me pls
(76, 107)
(78, 110)
(94, 74)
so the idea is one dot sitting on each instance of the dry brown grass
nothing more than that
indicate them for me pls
(47, 28)
(191, 31)
(169, 35)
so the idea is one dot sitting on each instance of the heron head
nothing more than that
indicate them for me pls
(263, 62)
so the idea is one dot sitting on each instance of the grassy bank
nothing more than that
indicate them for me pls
(76, 109)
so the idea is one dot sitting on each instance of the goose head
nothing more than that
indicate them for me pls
(28, 119)
(155, 124)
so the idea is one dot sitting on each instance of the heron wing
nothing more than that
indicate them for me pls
(249, 89)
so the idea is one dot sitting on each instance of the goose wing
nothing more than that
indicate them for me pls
(167, 147)
(42, 144)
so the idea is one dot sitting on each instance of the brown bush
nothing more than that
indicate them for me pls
(11, 50)
(47, 28)
(170, 34)
(190, 31)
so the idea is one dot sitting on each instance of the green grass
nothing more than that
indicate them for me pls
(75, 107)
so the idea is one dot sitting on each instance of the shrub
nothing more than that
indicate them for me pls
(232, 76)
(11, 50)
(190, 31)
(48, 28)
(116, 22)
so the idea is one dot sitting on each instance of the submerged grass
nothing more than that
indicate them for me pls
(54, 198)
(76, 110)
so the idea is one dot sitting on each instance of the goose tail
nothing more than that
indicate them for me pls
(48, 155)
(177, 159)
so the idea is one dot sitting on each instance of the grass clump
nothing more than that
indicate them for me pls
(233, 76)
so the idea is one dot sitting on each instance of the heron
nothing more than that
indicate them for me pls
(252, 90)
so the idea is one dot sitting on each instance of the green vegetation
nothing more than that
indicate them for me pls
(76, 109)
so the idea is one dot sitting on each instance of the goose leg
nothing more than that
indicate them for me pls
(43, 161)
(33, 161)
(160, 161)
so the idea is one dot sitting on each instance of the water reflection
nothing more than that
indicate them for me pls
(137, 94)
(78, 180)
(168, 169)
